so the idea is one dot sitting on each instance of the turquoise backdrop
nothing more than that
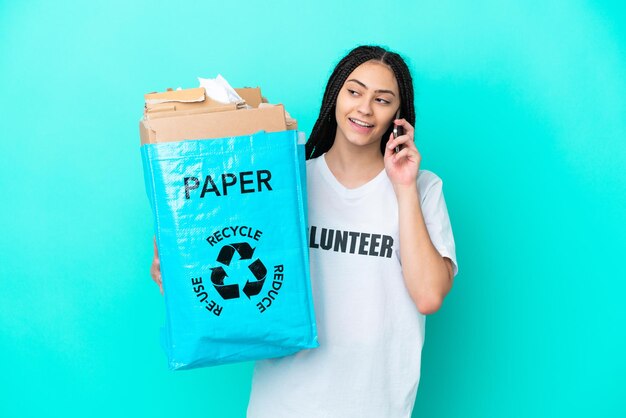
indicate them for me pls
(521, 111)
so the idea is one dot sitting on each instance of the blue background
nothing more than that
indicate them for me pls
(521, 111)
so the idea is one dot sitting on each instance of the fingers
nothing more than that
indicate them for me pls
(408, 128)
(155, 273)
(408, 153)
(155, 268)
(405, 139)
(402, 166)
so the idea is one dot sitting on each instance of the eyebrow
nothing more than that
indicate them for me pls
(376, 91)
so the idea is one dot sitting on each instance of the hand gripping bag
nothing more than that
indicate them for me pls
(230, 224)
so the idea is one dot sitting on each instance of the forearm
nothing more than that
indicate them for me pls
(425, 271)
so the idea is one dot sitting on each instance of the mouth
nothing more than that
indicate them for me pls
(360, 123)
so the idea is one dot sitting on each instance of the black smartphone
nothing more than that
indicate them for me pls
(397, 131)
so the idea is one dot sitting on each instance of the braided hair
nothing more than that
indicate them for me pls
(323, 133)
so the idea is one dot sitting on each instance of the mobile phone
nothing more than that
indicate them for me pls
(397, 131)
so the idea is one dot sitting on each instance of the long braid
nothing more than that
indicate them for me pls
(324, 130)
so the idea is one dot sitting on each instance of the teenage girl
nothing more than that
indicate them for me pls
(381, 251)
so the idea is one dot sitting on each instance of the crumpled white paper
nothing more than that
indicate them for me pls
(219, 89)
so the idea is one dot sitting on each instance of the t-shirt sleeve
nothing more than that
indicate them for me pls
(436, 216)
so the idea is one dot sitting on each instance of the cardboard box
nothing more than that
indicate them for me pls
(178, 115)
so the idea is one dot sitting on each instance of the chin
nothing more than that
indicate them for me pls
(364, 142)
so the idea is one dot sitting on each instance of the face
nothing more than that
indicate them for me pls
(367, 104)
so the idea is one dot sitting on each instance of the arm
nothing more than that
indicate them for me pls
(428, 275)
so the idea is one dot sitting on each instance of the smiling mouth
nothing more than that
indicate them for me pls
(361, 123)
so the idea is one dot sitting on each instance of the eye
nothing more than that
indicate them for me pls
(353, 92)
(383, 101)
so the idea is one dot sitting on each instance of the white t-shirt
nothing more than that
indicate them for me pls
(370, 331)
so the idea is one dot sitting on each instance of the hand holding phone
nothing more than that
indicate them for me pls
(397, 131)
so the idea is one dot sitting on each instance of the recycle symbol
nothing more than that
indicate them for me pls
(218, 274)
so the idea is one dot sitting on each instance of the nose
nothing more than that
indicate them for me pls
(364, 106)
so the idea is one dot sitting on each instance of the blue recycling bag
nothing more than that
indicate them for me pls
(230, 224)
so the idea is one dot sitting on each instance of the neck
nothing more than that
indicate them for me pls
(354, 165)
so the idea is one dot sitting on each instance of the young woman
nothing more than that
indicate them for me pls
(381, 250)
